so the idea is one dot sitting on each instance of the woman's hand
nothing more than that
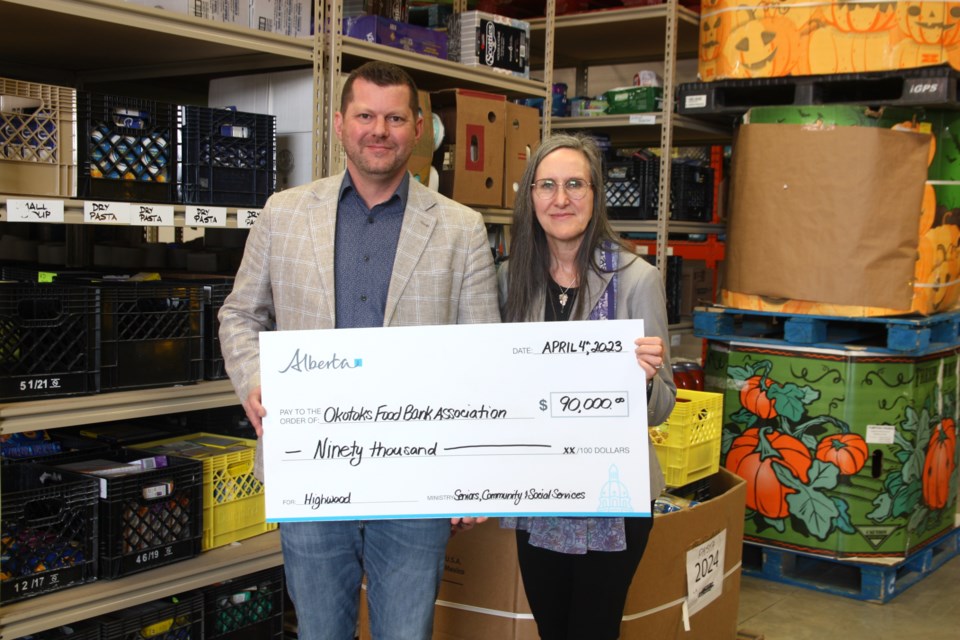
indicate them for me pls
(650, 355)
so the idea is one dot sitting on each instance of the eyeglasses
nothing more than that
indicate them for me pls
(547, 188)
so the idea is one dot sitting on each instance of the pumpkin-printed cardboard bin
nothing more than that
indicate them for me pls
(823, 223)
(753, 39)
(845, 453)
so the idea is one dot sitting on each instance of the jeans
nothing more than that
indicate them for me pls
(324, 563)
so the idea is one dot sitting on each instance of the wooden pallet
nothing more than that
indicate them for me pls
(870, 582)
(909, 335)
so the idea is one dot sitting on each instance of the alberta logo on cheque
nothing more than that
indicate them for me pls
(303, 362)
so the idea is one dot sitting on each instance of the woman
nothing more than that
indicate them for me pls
(567, 263)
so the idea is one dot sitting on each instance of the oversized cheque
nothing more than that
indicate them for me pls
(440, 421)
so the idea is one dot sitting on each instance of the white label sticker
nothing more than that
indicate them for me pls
(645, 118)
(152, 215)
(34, 210)
(204, 216)
(698, 101)
(705, 572)
(246, 218)
(106, 212)
(881, 433)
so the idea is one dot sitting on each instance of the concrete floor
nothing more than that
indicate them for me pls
(928, 610)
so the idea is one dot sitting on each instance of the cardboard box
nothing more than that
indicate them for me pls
(482, 597)
(696, 286)
(470, 160)
(197, 8)
(422, 158)
(490, 41)
(823, 37)
(802, 225)
(286, 17)
(856, 435)
(522, 139)
(401, 35)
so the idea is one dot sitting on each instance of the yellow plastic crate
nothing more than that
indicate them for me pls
(688, 443)
(233, 506)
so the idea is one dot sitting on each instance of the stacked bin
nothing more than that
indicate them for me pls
(246, 608)
(175, 618)
(49, 341)
(152, 335)
(127, 148)
(233, 502)
(150, 518)
(633, 184)
(49, 530)
(37, 157)
(228, 157)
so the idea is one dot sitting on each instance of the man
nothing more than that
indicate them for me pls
(367, 248)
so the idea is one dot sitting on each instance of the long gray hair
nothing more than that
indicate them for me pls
(529, 270)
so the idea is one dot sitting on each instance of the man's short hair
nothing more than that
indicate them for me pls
(382, 74)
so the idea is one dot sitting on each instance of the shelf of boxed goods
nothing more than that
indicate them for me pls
(84, 42)
(66, 606)
(101, 40)
(432, 74)
(76, 603)
(621, 36)
(662, 33)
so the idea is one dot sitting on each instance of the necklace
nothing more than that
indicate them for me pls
(565, 296)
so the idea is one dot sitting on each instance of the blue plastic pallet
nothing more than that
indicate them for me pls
(858, 580)
(907, 335)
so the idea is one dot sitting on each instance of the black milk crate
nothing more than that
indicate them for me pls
(47, 447)
(49, 340)
(151, 335)
(127, 148)
(86, 630)
(246, 608)
(148, 519)
(633, 187)
(228, 157)
(672, 288)
(49, 530)
(215, 293)
(628, 183)
(175, 618)
(691, 192)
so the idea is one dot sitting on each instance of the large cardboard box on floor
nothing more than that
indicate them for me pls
(482, 597)
(864, 444)
(522, 139)
(470, 160)
(747, 40)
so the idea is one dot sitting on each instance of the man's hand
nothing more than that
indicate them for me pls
(254, 410)
(464, 523)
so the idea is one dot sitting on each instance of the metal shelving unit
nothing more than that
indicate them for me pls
(86, 601)
(664, 33)
(97, 42)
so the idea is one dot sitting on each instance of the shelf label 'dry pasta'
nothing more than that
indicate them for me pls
(205, 216)
(442, 421)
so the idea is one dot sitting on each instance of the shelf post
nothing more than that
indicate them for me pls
(317, 166)
(666, 135)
